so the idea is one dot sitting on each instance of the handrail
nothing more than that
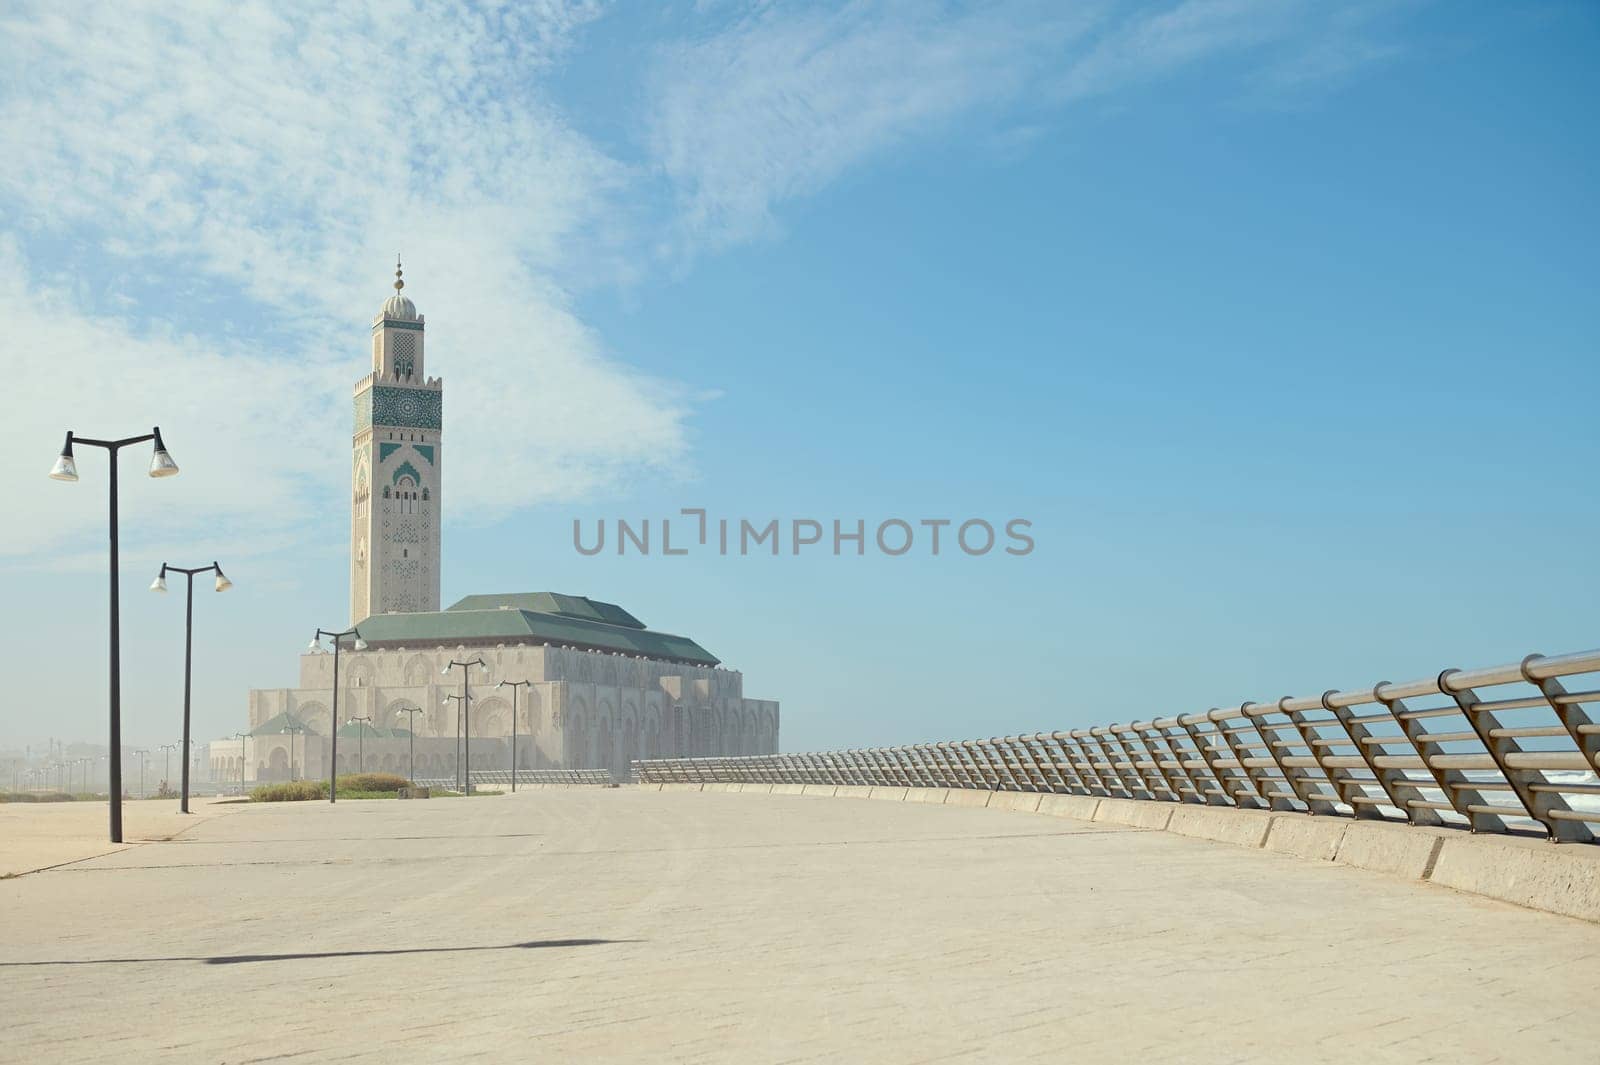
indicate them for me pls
(1474, 747)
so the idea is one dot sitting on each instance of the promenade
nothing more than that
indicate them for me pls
(623, 925)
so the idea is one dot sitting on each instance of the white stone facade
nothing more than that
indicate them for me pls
(396, 471)
(584, 710)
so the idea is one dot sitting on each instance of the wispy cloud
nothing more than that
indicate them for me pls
(772, 104)
(198, 207)
(214, 197)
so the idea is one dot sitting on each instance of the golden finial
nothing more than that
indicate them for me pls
(398, 282)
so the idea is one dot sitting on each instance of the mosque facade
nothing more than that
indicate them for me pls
(552, 681)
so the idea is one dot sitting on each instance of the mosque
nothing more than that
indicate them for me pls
(601, 688)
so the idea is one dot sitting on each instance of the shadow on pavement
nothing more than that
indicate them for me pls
(240, 959)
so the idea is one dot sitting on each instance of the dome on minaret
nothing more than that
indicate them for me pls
(398, 306)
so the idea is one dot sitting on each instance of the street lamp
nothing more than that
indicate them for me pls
(66, 469)
(461, 708)
(241, 737)
(514, 685)
(143, 753)
(160, 585)
(361, 740)
(466, 717)
(333, 725)
(166, 763)
(290, 730)
(413, 711)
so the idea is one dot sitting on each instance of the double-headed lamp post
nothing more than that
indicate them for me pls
(241, 737)
(412, 721)
(143, 753)
(290, 731)
(514, 685)
(160, 585)
(466, 715)
(66, 469)
(333, 724)
(166, 763)
(364, 720)
(461, 709)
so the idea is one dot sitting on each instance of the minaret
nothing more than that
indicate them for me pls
(394, 506)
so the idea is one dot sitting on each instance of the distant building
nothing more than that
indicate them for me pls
(604, 688)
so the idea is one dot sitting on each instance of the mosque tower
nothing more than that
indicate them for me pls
(396, 470)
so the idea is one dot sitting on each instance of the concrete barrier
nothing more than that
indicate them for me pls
(1134, 813)
(1305, 836)
(1533, 873)
(967, 797)
(1075, 807)
(1399, 850)
(1242, 828)
(1023, 802)
(1562, 879)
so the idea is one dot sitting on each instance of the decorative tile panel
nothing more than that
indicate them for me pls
(403, 408)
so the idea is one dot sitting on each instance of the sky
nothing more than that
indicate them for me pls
(1275, 320)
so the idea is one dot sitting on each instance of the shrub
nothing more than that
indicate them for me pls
(35, 796)
(291, 791)
(371, 782)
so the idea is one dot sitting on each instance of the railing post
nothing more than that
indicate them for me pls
(1264, 783)
(1081, 764)
(1308, 736)
(1196, 777)
(961, 776)
(1172, 781)
(1568, 711)
(1402, 794)
(1540, 805)
(1459, 795)
(1027, 744)
(917, 764)
(1039, 745)
(1098, 734)
(1269, 741)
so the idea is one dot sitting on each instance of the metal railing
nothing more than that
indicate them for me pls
(524, 776)
(1480, 747)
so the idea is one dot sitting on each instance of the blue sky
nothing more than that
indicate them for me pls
(1276, 319)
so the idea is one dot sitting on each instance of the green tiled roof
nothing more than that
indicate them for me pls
(274, 725)
(527, 618)
(567, 606)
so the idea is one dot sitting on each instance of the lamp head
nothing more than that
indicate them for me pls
(360, 644)
(483, 667)
(500, 685)
(65, 469)
(160, 583)
(445, 672)
(314, 646)
(161, 464)
(223, 583)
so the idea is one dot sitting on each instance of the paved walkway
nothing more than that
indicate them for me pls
(615, 925)
(39, 835)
